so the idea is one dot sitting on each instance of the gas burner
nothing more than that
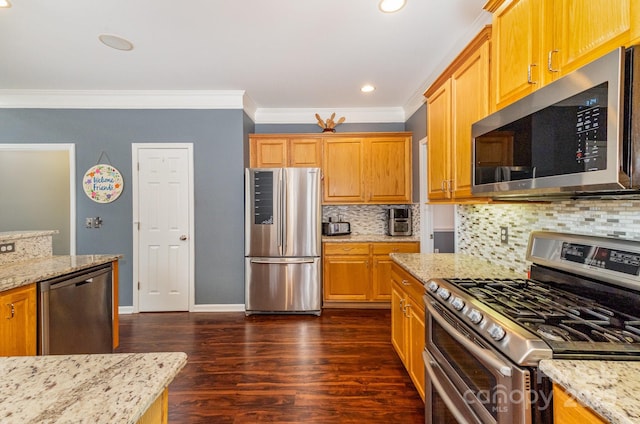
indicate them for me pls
(553, 333)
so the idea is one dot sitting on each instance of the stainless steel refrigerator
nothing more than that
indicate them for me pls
(283, 220)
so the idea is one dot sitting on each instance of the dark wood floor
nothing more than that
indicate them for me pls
(337, 368)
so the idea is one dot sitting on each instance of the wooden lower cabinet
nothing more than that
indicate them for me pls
(567, 410)
(407, 324)
(359, 274)
(158, 412)
(18, 321)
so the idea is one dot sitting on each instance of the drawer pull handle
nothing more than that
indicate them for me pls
(405, 283)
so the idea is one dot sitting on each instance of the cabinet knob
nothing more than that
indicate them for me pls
(183, 237)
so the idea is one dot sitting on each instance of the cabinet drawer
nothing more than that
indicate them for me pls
(386, 248)
(412, 286)
(346, 248)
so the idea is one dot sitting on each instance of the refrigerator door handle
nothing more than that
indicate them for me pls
(283, 215)
(286, 262)
(278, 193)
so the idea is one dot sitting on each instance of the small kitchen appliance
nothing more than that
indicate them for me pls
(399, 222)
(486, 336)
(336, 228)
(283, 241)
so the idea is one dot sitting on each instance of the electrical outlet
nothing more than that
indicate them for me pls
(504, 235)
(7, 247)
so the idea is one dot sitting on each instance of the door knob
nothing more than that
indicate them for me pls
(183, 237)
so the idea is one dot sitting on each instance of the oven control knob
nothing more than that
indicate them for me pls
(457, 303)
(444, 293)
(433, 286)
(496, 332)
(474, 316)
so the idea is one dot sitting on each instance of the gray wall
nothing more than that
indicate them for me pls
(219, 138)
(417, 124)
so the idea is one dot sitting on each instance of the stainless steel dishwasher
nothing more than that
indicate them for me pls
(75, 313)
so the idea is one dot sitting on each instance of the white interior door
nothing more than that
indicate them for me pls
(164, 222)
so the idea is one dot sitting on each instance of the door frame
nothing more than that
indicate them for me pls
(135, 148)
(70, 148)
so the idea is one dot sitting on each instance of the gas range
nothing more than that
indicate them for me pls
(582, 300)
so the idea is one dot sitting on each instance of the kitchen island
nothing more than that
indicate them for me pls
(109, 389)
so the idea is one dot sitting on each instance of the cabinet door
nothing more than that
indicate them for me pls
(346, 278)
(470, 94)
(567, 410)
(381, 278)
(398, 322)
(389, 171)
(343, 161)
(438, 142)
(305, 152)
(18, 321)
(268, 153)
(586, 30)
(516, 46)
(416, 346)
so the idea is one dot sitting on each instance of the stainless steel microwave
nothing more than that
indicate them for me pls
(576, 136)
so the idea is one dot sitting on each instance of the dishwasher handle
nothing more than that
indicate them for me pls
(77, 279)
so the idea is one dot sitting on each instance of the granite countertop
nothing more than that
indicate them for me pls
(111, 388)
(369, 238)
(610, 388)
(21, 273)
(425, 266)
(17, 235)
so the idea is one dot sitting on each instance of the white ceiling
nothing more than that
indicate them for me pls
(283, 54)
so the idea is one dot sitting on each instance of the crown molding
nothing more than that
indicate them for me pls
(123, 99)
(418, 99)
(307, 115)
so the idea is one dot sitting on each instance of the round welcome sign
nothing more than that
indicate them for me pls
(103, 183)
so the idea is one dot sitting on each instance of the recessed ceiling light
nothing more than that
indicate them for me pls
(115, 42)
(390, 6)
(5, 3)
(368, 88)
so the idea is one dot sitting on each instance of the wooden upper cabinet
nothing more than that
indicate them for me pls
(389, 169)
(584, 30)
(470, 94)
(538, 41)
(343, 164)
(516, 46)
(268, 153)
(457, 99)
(277, 151)
(373, 168)
(305, 152)
(439, 141)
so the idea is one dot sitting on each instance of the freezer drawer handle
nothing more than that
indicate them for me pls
(297, 261)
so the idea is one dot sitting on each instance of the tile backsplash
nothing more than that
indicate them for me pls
(367, 219)
(479, 225)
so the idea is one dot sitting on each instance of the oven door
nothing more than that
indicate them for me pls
(468, 381)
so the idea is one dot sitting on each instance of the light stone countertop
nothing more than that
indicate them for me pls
(17, 235)
(17, 274)
(425, 266)
(369, 238)
(611, 388)
(110, 389)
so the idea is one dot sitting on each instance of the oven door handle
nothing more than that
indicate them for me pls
(433, 379)
(484, 355)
